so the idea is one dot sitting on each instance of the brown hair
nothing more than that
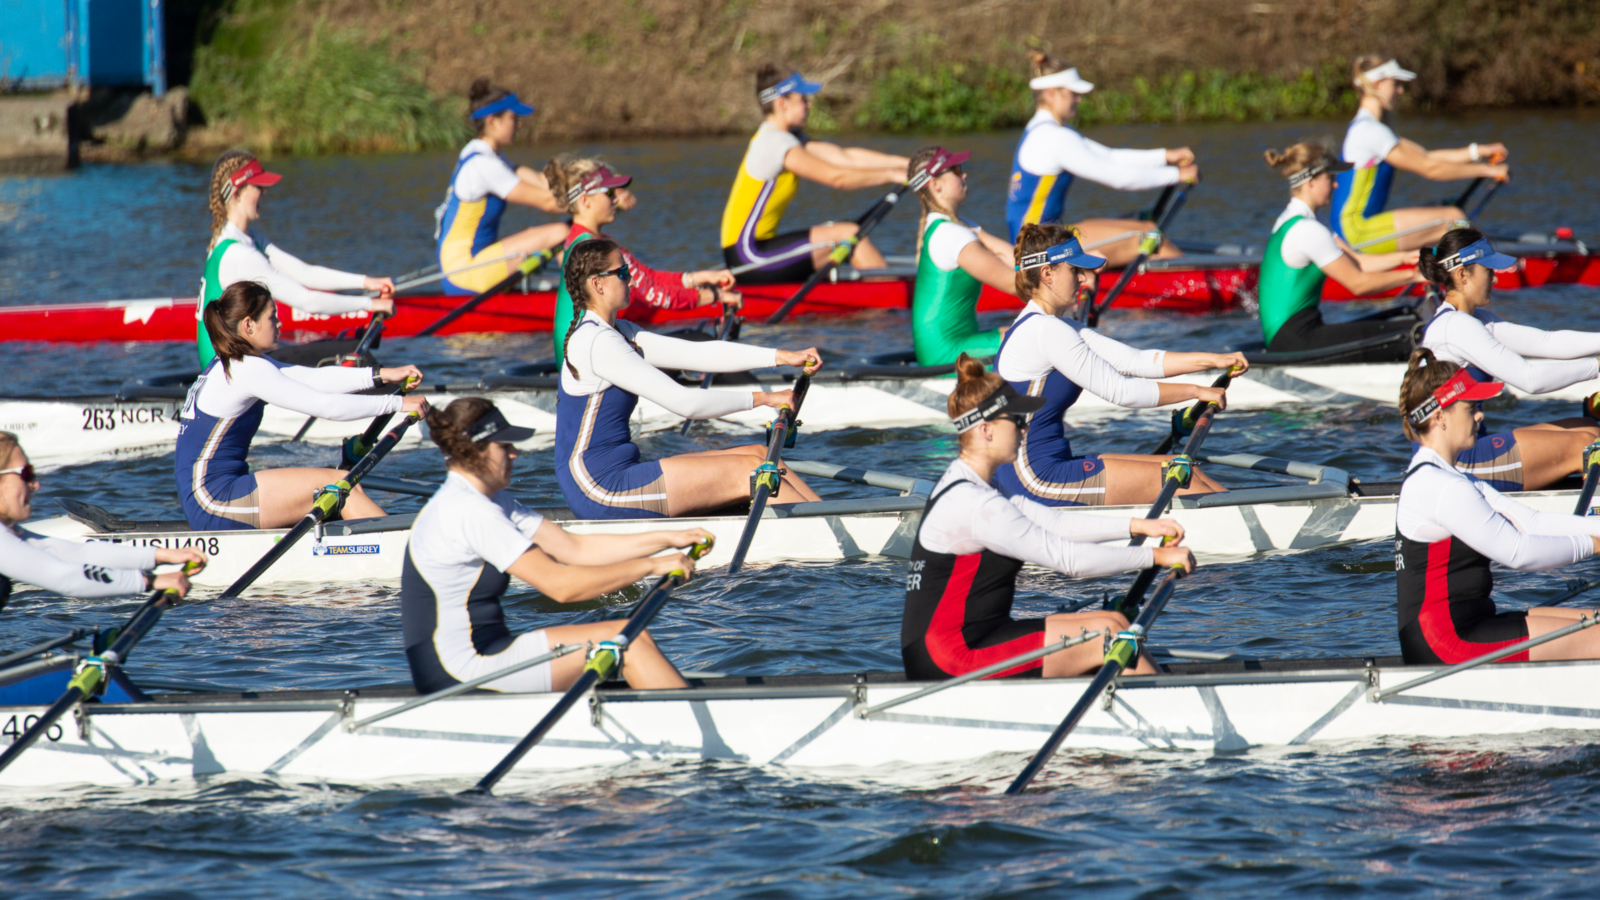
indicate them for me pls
(973, 384)
(584, 261)
(242, 300)
(1425, 373)
(767, 76)
(448, 428)
(481, 94)
(216, 198)
(1429, 260)
(1366, 62)
(8, 443)
(925, 193)
(1041, 64)
(1034, 238)
(566, 170)
(1296, 157)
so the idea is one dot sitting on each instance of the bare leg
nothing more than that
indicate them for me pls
(712, 479)
(1120, 252)
(1087, 656)
(285, 495)
(866, 256)
(1446, 216)
(533, 240)
(1545, 619)
(1136, 478)
(1551, 454)
(643, 665)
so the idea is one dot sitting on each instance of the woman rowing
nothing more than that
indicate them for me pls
(972, 542)
(1464, 331)
(468, 229)
(224, 408)
(609, 365)
(71, 568)
(471, 537)
(589, 189)
(1361, 194)
(239, 253)
(1449, 525)
(780, 154)
(1302, 253)
(1044, 355)
(955, 259)
(1053, 153)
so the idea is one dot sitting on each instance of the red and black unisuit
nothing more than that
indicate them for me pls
(1446, 614)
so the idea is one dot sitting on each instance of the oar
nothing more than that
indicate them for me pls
(602, 662)
(1461, 201)
(705, 380)
(528, 267)
(1182, 424)
(331, 497)
(1147, 248)
(764, 480)
(1161, 203)
(95, 670)
(354, 447)
(1591, 478)
(370, 337)
(1485, 201)
(841, 253)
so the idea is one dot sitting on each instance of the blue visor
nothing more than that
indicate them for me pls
(1069, 251)
(1481, 254)
(509, 101)
(794, 84)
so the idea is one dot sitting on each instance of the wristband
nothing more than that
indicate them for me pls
(1472, 150)
(377, 376)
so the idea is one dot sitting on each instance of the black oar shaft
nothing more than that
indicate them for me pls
(323, 507)
(1192, 416)
(1461, 201)
(840, 254)
(528, 267)
(767, 475)
(1591, 478)
(1132, 269)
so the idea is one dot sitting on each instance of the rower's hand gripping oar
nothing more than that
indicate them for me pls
(528, 267)
(1147, 248)
(94, 672)
(369, 339)
(765, 479)
(723, 333)
(1591, 477)
(841, 253)
(328, 501)
(358, 445)
(604, 659)
(1183, 421)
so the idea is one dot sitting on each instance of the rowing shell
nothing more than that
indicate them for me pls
(1195, 283)
(807, 723)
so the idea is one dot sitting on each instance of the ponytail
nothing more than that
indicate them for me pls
(1430, 259)
(448, 428)
(242, 300)
(1425, 373)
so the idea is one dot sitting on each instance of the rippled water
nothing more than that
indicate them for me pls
(1513, 817)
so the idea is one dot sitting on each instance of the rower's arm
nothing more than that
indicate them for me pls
(574, 584)
(600, 549)
(838, 172)
(1411, 156)
(536, 196)
(1470, 340)
(856, 157)
(1468, 511)
(1345, 271)
(1541, 344)
(984, 264)
(32, 562)
(320, 277)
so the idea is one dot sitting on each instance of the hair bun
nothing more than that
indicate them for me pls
(968, 369)
(479, 90)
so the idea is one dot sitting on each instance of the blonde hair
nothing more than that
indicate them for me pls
(925, 197)
(1034, 238)
(1363, 64)
(1425, 373)
(1296, 158)
(1041, 64)
(566, 170)
(217, 198)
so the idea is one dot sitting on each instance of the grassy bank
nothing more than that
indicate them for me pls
(311, 75)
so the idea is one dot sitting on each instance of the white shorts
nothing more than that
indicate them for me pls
(534, 680)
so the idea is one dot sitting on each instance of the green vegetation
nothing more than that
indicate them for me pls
(952, 98)
(317, 90)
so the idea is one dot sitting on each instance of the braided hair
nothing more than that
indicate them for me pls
(222, 190)
(925, 196)
(584, 261)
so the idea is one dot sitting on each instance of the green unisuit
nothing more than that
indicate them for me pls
(1284, 291)
(944, 311)
(211, 288)
(563, 315)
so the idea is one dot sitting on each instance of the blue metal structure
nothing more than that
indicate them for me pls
(100, 43)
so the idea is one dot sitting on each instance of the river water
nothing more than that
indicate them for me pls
(1515, 817)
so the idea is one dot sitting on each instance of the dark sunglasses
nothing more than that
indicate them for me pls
(1020, 421)
(27, 473)
(622, 272)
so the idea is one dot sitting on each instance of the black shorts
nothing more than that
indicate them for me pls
(1455, 641)
(960, 651)
(787, 271)
(1305, 330)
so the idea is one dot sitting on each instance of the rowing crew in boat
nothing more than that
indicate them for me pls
(71, 568)
(224, 409)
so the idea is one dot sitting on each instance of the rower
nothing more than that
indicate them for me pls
(1302, 253)
(779, 155)
(471, 537)
(972, 542)
(1449, 525)
(1044, 355)
(1360, 195)
(589, 189)
(955, 259)
(468, 227)
(239, 253)
(70, 568)
(224, 408)
(1464, 331)
(609, 365)
(1053, 153)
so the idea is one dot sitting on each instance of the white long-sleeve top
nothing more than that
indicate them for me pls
(1437, 502)
(73, 569)
(325, 392)
(1498, 347)
(1107, 368)
(290, 279)
(1050, 148)
(974, 517)
(605, 358)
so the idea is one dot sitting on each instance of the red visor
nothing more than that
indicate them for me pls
(601, 179)
(943, 161)
(252, 173)
(1461, 386)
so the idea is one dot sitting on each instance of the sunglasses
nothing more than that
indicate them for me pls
(1020, 421)
(623, 273)
(27, 473)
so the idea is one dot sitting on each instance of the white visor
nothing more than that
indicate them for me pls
(1390, 69)
(1068, 79)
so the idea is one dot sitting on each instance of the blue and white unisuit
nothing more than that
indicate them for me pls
(221, 417)
(1058, 359)
(597, 463)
